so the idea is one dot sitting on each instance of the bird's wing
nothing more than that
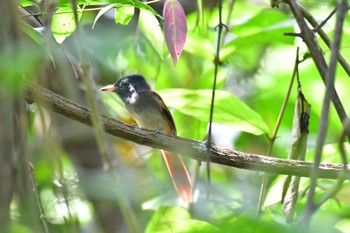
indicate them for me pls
(165, 111)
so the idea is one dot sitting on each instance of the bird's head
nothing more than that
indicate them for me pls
(129, 87)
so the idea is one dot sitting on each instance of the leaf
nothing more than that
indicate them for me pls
(330, 153)
(32, 33)
(26, 3)
(143, 6)
(63, 23)
(201, 47)
(150, 28)
(343, 194)
(177, 220)
(274, 193)
(249, 39)
(124, 14)
(36, 35)
(228, 109)
(68, 3)
(175, 28)
(266, 224)
(296, 151)
(19, 228)
(102, 12)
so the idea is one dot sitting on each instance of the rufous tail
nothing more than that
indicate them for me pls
(179, 175)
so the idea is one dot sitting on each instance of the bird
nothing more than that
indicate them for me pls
(149, 111)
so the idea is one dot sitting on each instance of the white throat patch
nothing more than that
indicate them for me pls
(132, 99)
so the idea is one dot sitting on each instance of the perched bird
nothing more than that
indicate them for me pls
(149, 111)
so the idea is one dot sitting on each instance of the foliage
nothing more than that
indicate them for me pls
(119, 37)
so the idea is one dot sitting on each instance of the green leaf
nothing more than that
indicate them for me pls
(26, 3)
(68, 3)
(143, 6)
(199, 46)
(274, 194)
(343, 195)
(228, 109)
(250, 39)
(32, 33)
(177, 220)
(330, 153)
(150, 28)
(63, 23)
(19, 228)
(266, 224)
(265, 21)
(36, 36)
(102, 12)
(343, 225)
(124, 14)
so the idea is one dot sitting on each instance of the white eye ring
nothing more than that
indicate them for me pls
(124, 83)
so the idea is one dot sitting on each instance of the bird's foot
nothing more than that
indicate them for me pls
(159, 130)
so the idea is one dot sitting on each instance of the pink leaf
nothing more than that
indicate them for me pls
(175, 28)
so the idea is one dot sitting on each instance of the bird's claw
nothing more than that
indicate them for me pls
(159, 130)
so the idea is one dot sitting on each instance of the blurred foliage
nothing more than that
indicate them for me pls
(256, 65)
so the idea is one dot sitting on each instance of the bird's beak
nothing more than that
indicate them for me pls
(109, 88)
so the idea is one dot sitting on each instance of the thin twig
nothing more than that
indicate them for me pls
(310, 207)
(275, 131)
(318, 27)
(296, 34)
(37, 198)
(217, 62)
(324, 37)
(341, 178)
(231, 4)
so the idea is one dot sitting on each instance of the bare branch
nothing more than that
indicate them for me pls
(316, 53)
(324, 37)
(318, 27)
(323, 126)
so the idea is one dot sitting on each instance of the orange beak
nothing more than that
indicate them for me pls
(109, 88)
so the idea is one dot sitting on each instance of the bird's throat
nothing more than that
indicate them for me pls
(131, 99)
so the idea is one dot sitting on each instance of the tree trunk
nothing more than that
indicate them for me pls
(8, 35)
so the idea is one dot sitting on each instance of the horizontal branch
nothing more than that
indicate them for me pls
(186, 147)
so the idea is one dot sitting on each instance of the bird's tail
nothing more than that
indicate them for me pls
(179, 175)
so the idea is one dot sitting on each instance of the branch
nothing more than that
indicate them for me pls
(324, 37)
(342, 9)
(316, 53)
(186, 147)
(220, 27)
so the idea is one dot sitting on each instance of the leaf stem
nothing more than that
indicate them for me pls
(275, 131)
(217, 62)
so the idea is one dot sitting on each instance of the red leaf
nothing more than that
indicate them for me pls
(175, 28)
